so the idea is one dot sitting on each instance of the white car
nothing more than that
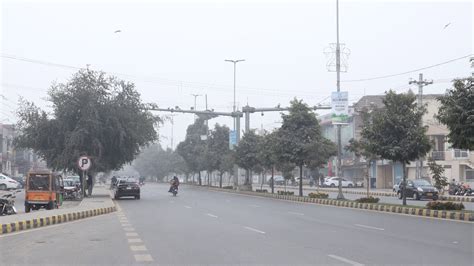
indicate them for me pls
(334, 182)
(8, 183)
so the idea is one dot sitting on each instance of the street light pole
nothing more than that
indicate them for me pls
(340, 196)
(235, 71)
(195, 96)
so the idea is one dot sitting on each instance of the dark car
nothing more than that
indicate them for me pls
(127, 188)
(419, 189)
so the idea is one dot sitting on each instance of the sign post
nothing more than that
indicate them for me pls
(84, 163)
(340, 107)
(232, 139)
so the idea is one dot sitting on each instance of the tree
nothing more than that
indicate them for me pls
(361, 147)
(395, 132)
(193, 148)
(440, 181)
(157, 162)
(299, 139)
(266, 154)
(457, 113)
(246, 153)
(93, 114)
(218, 152)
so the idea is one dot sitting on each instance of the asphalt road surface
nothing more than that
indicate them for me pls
(383, 199)
(203, 227)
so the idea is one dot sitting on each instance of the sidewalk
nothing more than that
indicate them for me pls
(99, 203)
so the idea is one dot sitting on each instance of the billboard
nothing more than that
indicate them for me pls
(232, 139)
(340, 107)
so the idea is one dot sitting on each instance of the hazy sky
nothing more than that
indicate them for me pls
(172, 49)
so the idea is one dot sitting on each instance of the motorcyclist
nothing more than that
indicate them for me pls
(174, 183)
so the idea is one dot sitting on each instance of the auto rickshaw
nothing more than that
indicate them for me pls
(43, 189)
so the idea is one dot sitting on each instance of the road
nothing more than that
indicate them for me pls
(383, 199)
(203, 227)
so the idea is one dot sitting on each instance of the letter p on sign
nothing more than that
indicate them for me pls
(84, 163)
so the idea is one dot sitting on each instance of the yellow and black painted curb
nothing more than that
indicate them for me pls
(53, 219)
(393, 194)
(423, 212)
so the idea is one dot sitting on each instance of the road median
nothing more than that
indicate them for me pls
(466, 216)
(100, 203)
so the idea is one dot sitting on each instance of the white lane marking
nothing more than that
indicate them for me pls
(143, 257)
(296, 213)
(134, 240)
(348, 261)
(211, 215)
(129, 229)
(126, 225)
(187, 207)
(52, 226)
(455, 242)
(254, 230)
(131, 234)
(255, 206)
(138, 248)
(369, 227)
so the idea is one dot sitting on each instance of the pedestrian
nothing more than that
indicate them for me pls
(89, 184)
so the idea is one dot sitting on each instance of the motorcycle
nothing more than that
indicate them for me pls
(7, 204)
(174, 190)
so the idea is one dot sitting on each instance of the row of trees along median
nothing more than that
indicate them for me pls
(395, 131)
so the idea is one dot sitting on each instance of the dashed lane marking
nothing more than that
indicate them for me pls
(143, 257)
(126, 225)
(296, 213)
(129, 229)
(369, 227)
(255, 206)
(211, 215)
(254, 230)
(348, 261)
(187, 207)
(131, 234)
(138, 248)
(134, 240)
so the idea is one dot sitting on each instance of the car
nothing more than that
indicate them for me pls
(127, 188)
(8, 183)
(279, 180)
(419, 189)
(334, 182)
(20, 180)
(75, 178)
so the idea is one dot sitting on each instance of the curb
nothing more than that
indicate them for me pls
(422, 212)
(393, 194)
(53, 219)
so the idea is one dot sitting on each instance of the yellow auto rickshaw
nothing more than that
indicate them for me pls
(43, 189)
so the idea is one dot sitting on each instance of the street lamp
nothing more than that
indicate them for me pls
(235, 65)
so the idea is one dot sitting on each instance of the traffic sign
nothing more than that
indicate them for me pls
(84, 163)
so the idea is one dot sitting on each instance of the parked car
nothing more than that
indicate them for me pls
(279, 180)
(75, 178)
(419, 189)
(127, 188)
(334, 182)
(8, 183)
(20, 180)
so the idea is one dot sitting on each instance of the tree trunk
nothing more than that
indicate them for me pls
(220, 179)
(301, 181)
(199, 178)
(404, 184)
(368, 179)
(273, 180)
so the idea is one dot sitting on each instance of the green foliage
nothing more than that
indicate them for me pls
(193, 149)
(318, 195)
(457, 113)
(299, 140)
(395, 132)
(281, 192)
(247, 151)
(439, 205)
(266, 151)
(440, 181)
(94, 115)
(218, 155)
(367, 200)
(157, 162)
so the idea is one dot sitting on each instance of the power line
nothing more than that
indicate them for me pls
(409, 72)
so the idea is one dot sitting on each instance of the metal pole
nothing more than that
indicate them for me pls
(233, 107)
(172, 133)
(340, 196)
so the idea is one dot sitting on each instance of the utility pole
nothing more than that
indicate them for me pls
(340, 196)
(195, 97)
(421, 83)
(236, 120)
